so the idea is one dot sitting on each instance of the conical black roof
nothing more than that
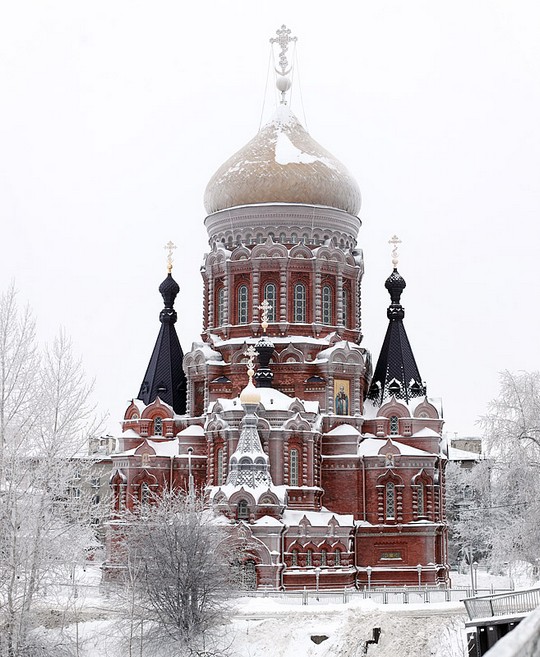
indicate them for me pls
(165, 376)
(396, 373)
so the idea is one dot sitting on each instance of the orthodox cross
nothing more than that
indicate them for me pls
(394, 241)
(265, 307)
(170, 248)
(250, 354)
(283, 39)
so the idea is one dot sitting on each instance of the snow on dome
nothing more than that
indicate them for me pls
(282, 164)
(250, 394)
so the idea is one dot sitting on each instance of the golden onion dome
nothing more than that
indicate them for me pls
(282, 164)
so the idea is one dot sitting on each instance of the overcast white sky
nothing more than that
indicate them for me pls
(114, 115)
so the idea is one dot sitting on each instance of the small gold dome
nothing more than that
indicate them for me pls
(282, 164)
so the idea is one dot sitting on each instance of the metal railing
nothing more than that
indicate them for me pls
(382, 595)
(503, 604)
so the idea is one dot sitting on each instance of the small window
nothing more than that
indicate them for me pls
(337, 557)
(95, 482)
(219, 467)
(324, 557)
(243, 304)
(293, 468)
(421, 497)
(294, 558)
(394, 425)
(145, 494)
(299, 303)
(158, 427)
(390, 501)
(345, 302)
(95, 499)
(243, 510)
(326, 304)
(309, 558)
(270, 296)
(220, 307)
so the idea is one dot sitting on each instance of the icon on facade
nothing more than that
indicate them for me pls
(341, 397)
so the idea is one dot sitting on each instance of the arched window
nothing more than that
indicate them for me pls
(249, 575)
(158, 427)
(309, 558)
(394, 425)
(337, 557)
(326, 304)
(219, 467)
(345, 303)
(282, 238)
(243, 304)
(294, 558)
(299, 303)
(220, 307)
(270, 294)
(145, 494)
(293, 467)
(243, 510)
(324, 557)
(390, 501)
(421, 499)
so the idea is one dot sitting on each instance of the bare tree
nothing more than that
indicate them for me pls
(182, 573)
(44, 425)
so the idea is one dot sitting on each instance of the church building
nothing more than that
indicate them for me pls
(326, 471)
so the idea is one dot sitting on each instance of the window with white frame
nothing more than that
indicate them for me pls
(293, 467)
(158, 426)
(243, 510)
(326, 304)
(299, 303)
(324, 557)
(337, 557)
(420, 499)
(390, 501)
(270, 294)
(243, 299)
(219, 467)
(309, 558)
(394, 425)
(345, 303)
(220, 307)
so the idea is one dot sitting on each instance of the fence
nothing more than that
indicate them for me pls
(382, 595)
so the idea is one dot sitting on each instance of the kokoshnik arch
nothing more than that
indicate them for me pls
(321, 467)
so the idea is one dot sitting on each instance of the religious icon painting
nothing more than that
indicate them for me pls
(341, 397)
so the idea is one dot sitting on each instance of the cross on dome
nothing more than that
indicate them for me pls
(265, 307)
(250, 354)
(283, 81)
(170, 247)
(394, 241)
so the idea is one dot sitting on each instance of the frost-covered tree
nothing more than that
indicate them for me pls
(45, 422)
(512, 438)
(177, 563)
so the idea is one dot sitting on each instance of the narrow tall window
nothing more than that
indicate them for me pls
(324, 557)
(421, 497)
(158, 427)
(390, 501)
(243, 304)
(309, 558)
(294, 558)
(337, 557)
(293, 468)
(270, 293)
(145, 494)
(220, 307)
(299, 303)
(394, 425)
(326, 304)
(345, 304)
(219, 467)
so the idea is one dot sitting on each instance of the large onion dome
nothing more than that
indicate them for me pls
(282, 164)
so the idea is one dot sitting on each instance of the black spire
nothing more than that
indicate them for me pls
(396, 373)
(264, 375)
(165, 376)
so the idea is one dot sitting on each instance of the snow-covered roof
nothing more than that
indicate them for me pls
(317, 518)
(271, 400)
(372, 447)
(192, 430)
(268, 521)
(343, 430)
(426, 432)
(455, 454)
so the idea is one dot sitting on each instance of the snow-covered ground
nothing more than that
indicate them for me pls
(277, 627)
